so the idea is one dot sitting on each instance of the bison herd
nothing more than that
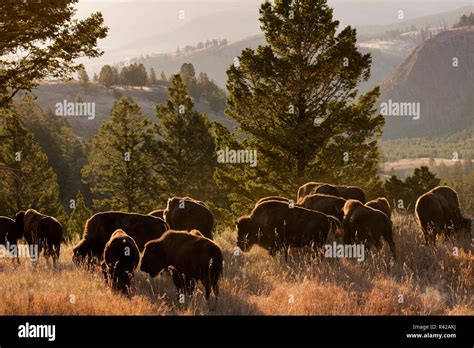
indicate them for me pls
(179, 239)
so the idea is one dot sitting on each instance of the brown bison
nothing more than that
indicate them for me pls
(119, 261)
(186, 214)
(44, 231)
(438, 212)
(273, 198)
(381, 204)
(275, 226)
(99, 228)
(193, 257)
(7, 229)
(157, 213)
(366, 225)
(329, 205)
(346, 192)
(306, 190)
(326, 189)
(352, 192)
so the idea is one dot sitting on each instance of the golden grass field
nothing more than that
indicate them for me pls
(432, 281)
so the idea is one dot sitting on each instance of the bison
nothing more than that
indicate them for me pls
(42, 230)
(346, 192)
(275, 226)
(7, 229)
(193, 257)
(381, 204)
(186, 214)
(157, 213)
(438, 212)
(99, 228)
(329, 205)
(351, 192)
(119, 261)
(306, 190)
(366, 225)
(273, 198)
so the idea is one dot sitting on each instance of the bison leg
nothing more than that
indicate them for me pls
(190, 285)
(56, 252)
(105, 273)
(177, 279)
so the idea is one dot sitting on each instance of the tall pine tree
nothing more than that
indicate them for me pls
(119, 168)
(186, 150)
(78, 217)
(295, 101)
(28, 181)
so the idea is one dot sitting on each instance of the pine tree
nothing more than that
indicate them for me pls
(295, 101)
(186, 152)
(163, 76)
(106, 76)
(83, 76)
(79, 215)
(152, 77)
(119, 168)
(95, 78)
(188, 76)
(28, 181)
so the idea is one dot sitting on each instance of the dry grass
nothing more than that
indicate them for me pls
(431, 279)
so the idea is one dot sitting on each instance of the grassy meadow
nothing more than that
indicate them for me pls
(422, 281)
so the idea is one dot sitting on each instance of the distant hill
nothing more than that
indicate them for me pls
(446, 146)
(443, 19)
(216, 60)
(50, 93)
(444, 92)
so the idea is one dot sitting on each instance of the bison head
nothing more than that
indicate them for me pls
(80, 251)
(153, 259)
(246, 235)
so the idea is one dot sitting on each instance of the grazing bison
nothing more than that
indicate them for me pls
(157, 213)
(99, 228)
(38, 229)
(7, 229)
(438, 212)
(306, 190)
(366, 225)
(193, 258)
(273, 198)
(119, 261)
(327, 189)
(351, 192)
(329, 205)
(346, 192)
(48, 237)
(275, 226)
(381, 204)
(186, 214)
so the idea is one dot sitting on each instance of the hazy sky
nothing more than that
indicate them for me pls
(158, 26)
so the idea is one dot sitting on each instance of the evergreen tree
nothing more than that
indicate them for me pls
(78, 217)
(27, 179)
(163, 76)
(186, 150)
(50, 40)
(106, 76)
(188, 76)
(119, 168)
(83, 76)
(294, 100)
(152, 77)
(95, 78)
